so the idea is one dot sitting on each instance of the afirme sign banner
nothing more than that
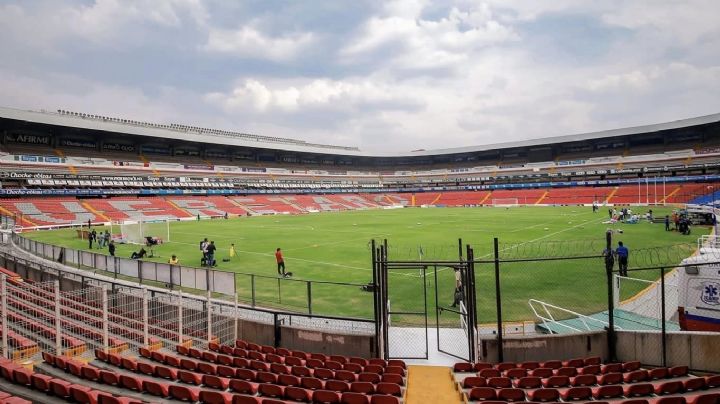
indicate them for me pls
(27, 139)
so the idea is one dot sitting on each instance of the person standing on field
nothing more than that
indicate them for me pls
(280, 262)
(232, 250)
(210, 254)
(622, 253)
(111, 248)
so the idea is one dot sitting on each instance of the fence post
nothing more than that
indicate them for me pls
(3, 280)
(235, 330)
(662, 317)
(58, 335)
(276, 321)
(252, 289)
(146, 339)
(106, 338)
(498, 301)
(609, 263)
(209, 316)
(279, 292)
(309, 296)
(180, 318)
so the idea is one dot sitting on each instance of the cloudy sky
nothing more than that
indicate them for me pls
(381, 75)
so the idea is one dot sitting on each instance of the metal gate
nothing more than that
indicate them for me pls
(403, 323)
(455, 324)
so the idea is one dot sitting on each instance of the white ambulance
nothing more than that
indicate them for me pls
(699, 293)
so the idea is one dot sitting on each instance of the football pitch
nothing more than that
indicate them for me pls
(334, 247)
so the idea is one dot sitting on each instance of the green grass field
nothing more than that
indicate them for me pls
(333, 247)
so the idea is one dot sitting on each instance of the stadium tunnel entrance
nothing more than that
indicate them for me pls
(437, 313)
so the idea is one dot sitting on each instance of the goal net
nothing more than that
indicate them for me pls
(137, 232)
(505, 202)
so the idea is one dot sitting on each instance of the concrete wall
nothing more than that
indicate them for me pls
(698, 350)
(545, 347)
(327, 343)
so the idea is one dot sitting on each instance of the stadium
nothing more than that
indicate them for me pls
(373, 243)
(397, 202)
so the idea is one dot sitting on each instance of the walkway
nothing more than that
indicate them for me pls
(431, 384)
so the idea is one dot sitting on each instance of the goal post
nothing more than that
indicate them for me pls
(136, 232)
(505, 202)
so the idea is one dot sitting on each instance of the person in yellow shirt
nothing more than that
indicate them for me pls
(173, 260)
(232, 250)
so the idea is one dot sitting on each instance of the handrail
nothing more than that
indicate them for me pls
(551, 319)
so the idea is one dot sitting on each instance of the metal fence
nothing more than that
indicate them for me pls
(286, 294)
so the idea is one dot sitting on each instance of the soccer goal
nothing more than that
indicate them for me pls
(505, 202)
(137, 232)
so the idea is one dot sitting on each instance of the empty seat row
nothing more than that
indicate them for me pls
(56, 386)
(532, 382)
(277, 363)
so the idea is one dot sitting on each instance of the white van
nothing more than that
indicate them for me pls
(699, 293)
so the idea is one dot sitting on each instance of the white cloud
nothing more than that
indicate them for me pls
(254, 95)
(250, 42)
(425, 43)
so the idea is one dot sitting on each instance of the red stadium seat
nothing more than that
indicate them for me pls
(610, 378)
(694, 384)
(243, 399)
(473, 381)
(544, 395)
(381, 399)
(326, 397)
(369, 377)
(41, 382)
(206, 368)
(267, 377)
(215, 382)
(337, 385)
(289, 380)
(244, 374)
(504, 366)
(482, 365)
(574, 363)
(710, 398)
(635, 376)
(83, 394)
(482, 394)
(530, 365)
(529, 382)
(670, 400)
(312, 383)
(552, 364)
(499, 382)
(462, 367)
(279, 368)
(156, 388)
(612, 391)
(576, 394)
(639, 390)
(184, 393)
(354, 398)
(243, 386)
(215, 397)
(301, 371)
(678, 371)
(611, 368)
(583, 380)
(566, 371)
(511, 395)
(556, 381)
(631, 366)
(392, 378)
(60, 388)
(298, 394)
(516, 373)
(189, 377)
(362, 387)
(658, 373)
(671, 387)
(132, 383)
(271, 390)
(590, 370)
(390, 389)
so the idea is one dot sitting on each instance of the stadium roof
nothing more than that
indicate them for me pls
(202, 135)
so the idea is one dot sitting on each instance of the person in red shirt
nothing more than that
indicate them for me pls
(280, 262)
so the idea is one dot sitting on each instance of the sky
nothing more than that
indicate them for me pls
(385, 76)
